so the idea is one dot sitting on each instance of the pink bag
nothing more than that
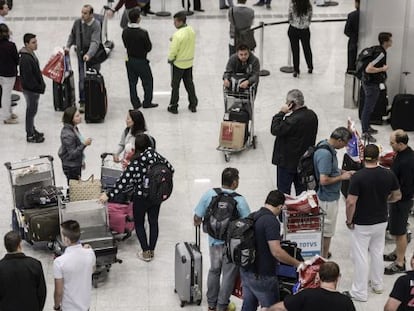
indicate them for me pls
(120, 216)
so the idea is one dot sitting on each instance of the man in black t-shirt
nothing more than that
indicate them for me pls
(260, 283)
(138, 44)
(402, 294)
(324, 298)
(366, 216)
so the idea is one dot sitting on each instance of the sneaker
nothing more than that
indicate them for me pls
(13, 116)
(231, 306)
(390, 257)
(144, 255)
(377, 291)
(35, 139)
(372, 131)
(368, 137)
(151, 254)
(173, 110)
(10, 121)
(394, 268)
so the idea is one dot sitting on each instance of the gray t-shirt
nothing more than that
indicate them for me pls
(326, 163)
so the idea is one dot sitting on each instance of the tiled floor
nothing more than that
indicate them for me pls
(188, 140)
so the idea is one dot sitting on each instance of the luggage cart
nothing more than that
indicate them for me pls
(306, 230)
(92, 217)
(36, 224)
(234, 103)
(121, 219)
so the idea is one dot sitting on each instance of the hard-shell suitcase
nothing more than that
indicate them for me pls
(121, 217)
(380, 112)
(402, 112)
(96, 100)
(64, 93)
(188, 271)
(42, 224)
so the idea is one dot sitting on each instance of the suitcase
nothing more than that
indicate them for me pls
(42, 224)
(96, 100)
(380, 110)
(64, 93)
(188, 271)
(121, 217)
(402, 112)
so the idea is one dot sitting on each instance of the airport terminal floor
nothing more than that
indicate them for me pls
(188, 140)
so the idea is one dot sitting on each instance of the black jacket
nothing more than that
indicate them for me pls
(71, 150)
(9, 58)
(30, 73)
(22, 283)
(351, 29)
(295, 133)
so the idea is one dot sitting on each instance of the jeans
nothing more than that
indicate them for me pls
(263, 290)
(372, 92)
(32, 102)
(302, 35)
(141, 208)
(367, 243)
(218, 295)
(72, 172)
(187, 76)
(285, 178)
(139, 69)
(7, 84)
(81, 68)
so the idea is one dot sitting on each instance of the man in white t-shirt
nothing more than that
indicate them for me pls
(73, 271)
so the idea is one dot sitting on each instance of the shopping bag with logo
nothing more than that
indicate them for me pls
(55, 67)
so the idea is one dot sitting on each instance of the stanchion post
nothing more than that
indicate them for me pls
(289, 67)
(163, 12)
(263, 72)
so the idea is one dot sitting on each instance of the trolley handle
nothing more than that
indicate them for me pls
(8, 165)
(105, 154)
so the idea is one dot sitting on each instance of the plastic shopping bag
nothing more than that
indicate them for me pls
(55, 67)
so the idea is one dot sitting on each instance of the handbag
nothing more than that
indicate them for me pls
(100, 55)
(80, 190)
(348, 164)
(18, 84)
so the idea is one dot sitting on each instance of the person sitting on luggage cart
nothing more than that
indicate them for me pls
(243, 66)
(325, 297)
(135, 177)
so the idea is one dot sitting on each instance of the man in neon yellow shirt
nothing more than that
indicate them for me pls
(181, 57)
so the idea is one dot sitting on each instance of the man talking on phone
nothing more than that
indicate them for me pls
(295, 127)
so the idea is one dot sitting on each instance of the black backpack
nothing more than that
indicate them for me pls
(41, 196)
(221, 211)
(366, 56)
(241, 241)
(306, 167)
(158, 183)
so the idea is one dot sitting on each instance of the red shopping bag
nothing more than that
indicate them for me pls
(55, 67)
(308, 276)
(387, 159)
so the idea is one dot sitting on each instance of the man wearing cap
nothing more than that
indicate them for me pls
(366, 216)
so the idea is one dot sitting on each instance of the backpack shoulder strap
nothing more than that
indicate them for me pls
(218, 190)
(234, 194)
(326, 147)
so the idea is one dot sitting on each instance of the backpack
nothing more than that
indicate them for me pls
(41, 196)
(241, 241)
(158, 183)
(306, 167)
(220, 212)
(366, 56)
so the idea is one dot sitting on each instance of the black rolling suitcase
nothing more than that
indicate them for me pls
(189, 271)
(96, 101)
(402, 112)
(64, 93)
(380, 110)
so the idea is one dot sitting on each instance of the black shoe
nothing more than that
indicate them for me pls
(394, 268)
(368, 137)
(259, 4)
(152, 105)
(372, 131)
(137, 106)
(268, 6)
(295, 74)
(173, 110)
(192, 108)
(199, 10)
(225, 7)
(310, 70)
(143, 13)
(390, 257)
(35, 139)
(150, 12)
(40, 134)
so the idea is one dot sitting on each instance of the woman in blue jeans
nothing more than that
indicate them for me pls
(134, 178)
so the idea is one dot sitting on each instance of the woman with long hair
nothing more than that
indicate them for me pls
(135, 177)
(300, 16)
(73, 144)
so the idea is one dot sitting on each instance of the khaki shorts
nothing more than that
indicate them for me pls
(331, 213)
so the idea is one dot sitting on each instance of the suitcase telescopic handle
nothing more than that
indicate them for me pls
(198, 236)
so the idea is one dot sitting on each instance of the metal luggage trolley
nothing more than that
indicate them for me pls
(110, 171)
(236, 101)
(24, 175)
(306, 230)
(92, 217)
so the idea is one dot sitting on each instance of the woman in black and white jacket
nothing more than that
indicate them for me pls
(73, 144)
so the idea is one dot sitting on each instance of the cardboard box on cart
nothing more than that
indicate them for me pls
(232, 134)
